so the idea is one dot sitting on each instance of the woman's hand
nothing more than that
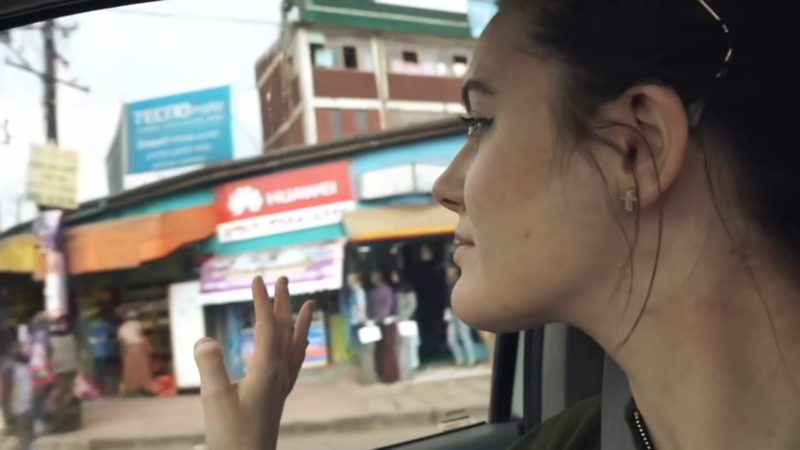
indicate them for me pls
(247, 415)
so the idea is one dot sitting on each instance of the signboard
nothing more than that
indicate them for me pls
(405, 179)
(248, 343)
(187, 326)
(287, 201)
(316, 353)
(309, 268)
(181, 130)
(53, 177)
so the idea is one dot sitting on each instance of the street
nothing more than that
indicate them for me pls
(334, 414)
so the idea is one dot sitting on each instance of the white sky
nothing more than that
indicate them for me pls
(125, 57)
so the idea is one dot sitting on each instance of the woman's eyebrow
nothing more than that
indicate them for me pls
(473, 85)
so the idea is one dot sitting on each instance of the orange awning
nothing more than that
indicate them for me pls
(392, 222)
(129, 242)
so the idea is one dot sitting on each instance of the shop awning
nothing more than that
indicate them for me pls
(127, 243)
(392, 222)
(19, 254)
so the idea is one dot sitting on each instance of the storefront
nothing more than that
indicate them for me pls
(279, 224)
(129, 265)
(400, 229)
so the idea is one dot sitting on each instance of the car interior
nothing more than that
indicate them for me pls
(536, 374)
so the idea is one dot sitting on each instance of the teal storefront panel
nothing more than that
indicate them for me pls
(439, 151)
(435, 151)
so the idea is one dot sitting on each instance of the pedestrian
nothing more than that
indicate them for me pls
(39, 362)
(22, 399)
(406, 300)
(64, 406)
(137, 367)
(459, 334)
(7, 360)
(104, 348)
(382, 305)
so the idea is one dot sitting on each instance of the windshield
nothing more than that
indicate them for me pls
(156, 158)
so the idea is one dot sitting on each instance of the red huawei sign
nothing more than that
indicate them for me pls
(285, 201)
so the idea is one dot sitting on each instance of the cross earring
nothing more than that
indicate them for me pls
(630, 200)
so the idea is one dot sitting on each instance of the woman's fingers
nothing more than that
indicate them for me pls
(265, 314)
(300, 338)
(220, 399)
(283, 302)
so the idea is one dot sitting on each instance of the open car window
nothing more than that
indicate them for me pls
(158, 156)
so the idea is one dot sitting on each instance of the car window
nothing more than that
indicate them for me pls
(157, 157)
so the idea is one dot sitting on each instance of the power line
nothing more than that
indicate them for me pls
(162, 15)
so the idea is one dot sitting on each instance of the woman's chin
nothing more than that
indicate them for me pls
(495, 312)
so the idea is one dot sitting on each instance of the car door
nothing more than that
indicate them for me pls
(514, 374)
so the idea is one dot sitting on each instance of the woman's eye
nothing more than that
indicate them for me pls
(475, 124)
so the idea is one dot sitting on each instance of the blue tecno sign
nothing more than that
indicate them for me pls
(181, 130)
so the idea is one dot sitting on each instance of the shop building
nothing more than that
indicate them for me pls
(184, 250)
(345, 68)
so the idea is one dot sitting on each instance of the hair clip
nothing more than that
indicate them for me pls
(726, 62)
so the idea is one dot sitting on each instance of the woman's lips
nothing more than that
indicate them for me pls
(463, 241)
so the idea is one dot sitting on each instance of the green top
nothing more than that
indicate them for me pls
(577, 428)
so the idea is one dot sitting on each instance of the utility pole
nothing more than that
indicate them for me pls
(56, 290)
(49, 75)
(50, 81)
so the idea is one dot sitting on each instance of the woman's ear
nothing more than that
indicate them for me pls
(657, 149)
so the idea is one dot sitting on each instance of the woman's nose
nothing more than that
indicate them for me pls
(448, 190)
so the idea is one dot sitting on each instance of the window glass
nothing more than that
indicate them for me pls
(243, 138)
(335, 117)
(350, 55)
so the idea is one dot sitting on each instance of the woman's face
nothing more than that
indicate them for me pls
(535, 224)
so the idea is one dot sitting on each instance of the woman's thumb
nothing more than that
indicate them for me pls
(220, 399)
(213, 376)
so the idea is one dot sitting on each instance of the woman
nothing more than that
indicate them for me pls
(631, 170)
(406, 301)
(383, 309)
(137, 371)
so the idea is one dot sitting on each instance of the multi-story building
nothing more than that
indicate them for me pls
(347, 67)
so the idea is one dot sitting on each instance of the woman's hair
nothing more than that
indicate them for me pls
(604, 47)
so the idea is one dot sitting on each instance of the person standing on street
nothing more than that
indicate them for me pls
(406, 300)
(23, 399)
(64, 405)
(459, 334)
(38, 356)
(137, 371)
(357, 310)
(382, 303)
(7, 360)
(103, 345)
